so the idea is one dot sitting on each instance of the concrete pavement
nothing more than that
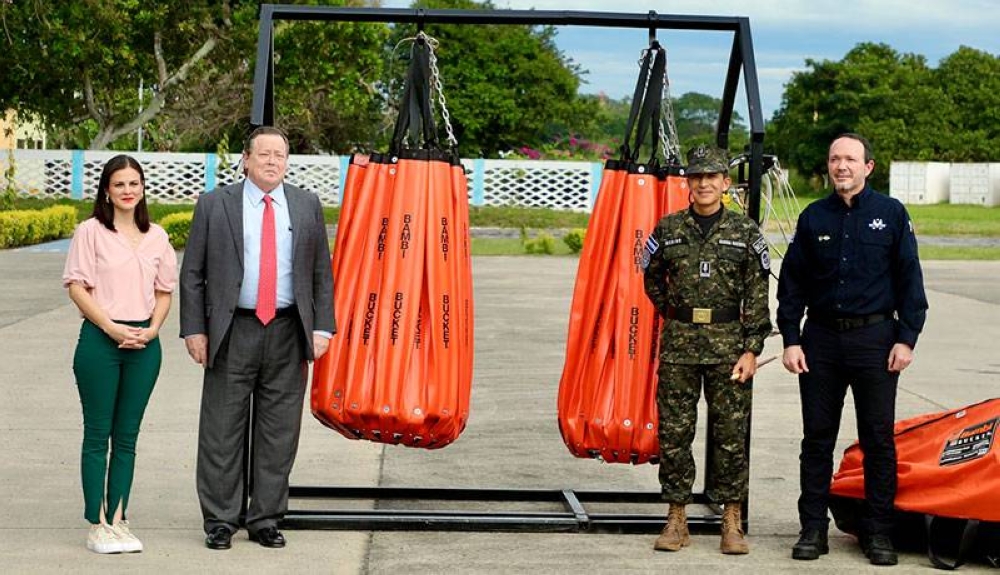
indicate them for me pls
(512, 440)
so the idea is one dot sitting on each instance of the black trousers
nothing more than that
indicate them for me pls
(858, 359)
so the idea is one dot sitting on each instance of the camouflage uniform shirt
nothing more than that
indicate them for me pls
(727, 268)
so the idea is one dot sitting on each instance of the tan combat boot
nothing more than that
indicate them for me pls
(733, 542)
(675, 534)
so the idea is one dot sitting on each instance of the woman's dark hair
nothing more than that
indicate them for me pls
(104, 211)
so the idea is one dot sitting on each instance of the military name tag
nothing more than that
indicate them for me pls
(732, 243)
(706, 269)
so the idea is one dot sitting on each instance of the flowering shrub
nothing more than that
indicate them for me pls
(568, 148)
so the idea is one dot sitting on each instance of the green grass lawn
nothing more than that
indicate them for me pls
(511, 247)
(956, 220)
(929, 220)
(932, 220)
(959, 253)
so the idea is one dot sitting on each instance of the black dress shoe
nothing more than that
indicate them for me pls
(880, 551)
(268, 537)
(811, 544)
(219, 538)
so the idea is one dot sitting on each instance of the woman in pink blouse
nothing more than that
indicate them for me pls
(120, 272)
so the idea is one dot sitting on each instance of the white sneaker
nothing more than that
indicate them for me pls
(102, 539)
(130, 543)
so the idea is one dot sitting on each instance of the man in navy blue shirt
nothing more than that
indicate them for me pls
(852, 269)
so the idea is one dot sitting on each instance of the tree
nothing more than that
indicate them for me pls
(908, 110)
(74, 63)
(326, 94)
(697, 116)
(78, 66)
(971, 80)
(506, 86)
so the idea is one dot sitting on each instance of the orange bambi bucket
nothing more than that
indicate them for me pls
(400, 370)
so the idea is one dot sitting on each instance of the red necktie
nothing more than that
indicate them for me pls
(267, 290)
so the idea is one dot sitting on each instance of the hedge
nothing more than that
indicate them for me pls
(178, 227)
(27, 227)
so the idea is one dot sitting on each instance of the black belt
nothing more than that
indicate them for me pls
(703, 315)
(283, 312)
(848, 322)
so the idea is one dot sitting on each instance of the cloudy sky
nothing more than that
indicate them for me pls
(785, 33)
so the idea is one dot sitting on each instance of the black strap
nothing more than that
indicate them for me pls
(845, 323)
(964, 546)
(638, 95)
(416, 117)
(649, 117)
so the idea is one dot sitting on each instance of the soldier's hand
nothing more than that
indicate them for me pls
(745, 368)
(794, 359)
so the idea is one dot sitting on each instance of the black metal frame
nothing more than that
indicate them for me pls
(574, 516)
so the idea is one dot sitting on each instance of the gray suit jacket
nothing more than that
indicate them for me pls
(212, 269)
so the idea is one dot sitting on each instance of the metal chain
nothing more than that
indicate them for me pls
(645, 88)
(671, 147)
(432, 43)
(664, 143)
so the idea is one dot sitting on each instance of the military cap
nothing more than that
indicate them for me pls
(707, 160)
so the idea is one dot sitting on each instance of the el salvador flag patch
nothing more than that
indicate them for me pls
(651, 246)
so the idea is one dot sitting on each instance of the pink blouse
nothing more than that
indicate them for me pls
(121, 278)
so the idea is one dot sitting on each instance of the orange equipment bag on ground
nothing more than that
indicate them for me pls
(400, 369)
(948, 485)
(607, 392)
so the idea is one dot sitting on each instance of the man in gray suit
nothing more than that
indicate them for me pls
(256, 305)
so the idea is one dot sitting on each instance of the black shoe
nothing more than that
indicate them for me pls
(879, 550)
(219, 538)
(812, 543)
(268, 537)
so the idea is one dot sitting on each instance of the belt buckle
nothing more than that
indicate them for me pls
(701, 315)
(849, 323)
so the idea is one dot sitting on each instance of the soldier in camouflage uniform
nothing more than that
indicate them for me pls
(707, 275)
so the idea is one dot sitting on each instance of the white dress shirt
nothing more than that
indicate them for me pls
(253, 214)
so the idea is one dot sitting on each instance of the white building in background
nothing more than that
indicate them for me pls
(21, 135)
(920, 182)
(943, 182)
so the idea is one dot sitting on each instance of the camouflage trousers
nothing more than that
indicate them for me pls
(728, 408)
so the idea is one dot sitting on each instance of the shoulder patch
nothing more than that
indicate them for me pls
(760, 248)
(651, 244)
(765, 261)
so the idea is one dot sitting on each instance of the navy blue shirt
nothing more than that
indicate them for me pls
(848, 261)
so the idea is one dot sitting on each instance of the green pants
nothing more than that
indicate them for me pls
(114, 385)
(728, 402)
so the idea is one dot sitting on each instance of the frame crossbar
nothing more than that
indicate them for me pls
(545, 510)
